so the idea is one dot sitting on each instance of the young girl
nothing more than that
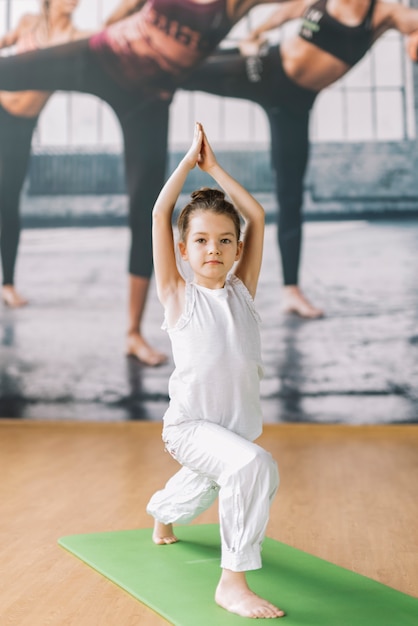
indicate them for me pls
(214, 413)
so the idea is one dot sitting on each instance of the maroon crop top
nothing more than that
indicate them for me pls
(160, 44)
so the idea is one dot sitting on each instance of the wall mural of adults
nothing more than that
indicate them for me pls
(134, 64)
(285, 80)
(19, 113)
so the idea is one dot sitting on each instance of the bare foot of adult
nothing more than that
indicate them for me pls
(11, 297)
(234, 595)
(163, 534)
(139, 348)
(293, 301)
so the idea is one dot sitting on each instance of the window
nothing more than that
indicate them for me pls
(374, 102)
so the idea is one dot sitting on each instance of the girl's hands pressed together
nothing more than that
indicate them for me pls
(193, 155)
(207, 159)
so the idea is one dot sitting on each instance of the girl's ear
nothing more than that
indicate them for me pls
(239, 250)
(183, 251)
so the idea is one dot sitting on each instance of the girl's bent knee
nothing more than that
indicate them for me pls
(273, 472)
(265, 468)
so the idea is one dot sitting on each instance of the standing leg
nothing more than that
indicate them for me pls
(73, 67)
(145, 132)
(290, 151)
(15, 145)
(227, 73)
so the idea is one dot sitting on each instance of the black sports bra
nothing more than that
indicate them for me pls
(347, 43)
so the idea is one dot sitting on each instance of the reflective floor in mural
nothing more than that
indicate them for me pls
(62, 357)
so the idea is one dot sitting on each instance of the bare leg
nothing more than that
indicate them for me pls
(294, 301)
(136, 344)
(11, 297)
(234, 595)
(163, 534)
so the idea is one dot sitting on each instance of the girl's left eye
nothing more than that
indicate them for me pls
(225, 241)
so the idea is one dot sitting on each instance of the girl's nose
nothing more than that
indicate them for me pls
(214, 249)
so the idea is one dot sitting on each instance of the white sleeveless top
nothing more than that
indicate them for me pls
(217, 357)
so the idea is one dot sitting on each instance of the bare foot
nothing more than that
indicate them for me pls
(139, 348)
(163, 534)
(11, 297)
(295, 302)
(234, 595)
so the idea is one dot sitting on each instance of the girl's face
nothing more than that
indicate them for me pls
(211, 248)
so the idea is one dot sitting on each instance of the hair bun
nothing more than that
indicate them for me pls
(207, 194)
(207, 199)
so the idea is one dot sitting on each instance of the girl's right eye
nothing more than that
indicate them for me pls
(200, 240)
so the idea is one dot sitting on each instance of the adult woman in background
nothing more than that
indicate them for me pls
(285, 80)
(19, 114)
(135, 64)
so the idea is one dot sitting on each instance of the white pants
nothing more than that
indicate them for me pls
(218, 461)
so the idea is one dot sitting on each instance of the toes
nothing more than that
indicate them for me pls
(161, 541)
(170, 540)
(137, 347)
(267, 611)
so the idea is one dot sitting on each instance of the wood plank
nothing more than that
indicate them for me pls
(348, 494)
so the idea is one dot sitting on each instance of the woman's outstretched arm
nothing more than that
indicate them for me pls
(389, 15)
(285, 12)
(124, 8)
(12, 37)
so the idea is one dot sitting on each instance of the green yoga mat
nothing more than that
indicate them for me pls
(178, 581)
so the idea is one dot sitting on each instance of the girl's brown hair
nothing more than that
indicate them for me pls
(207, 199)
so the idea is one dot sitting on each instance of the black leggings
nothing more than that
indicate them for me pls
(263, 81)
(15, 146)
(144, 123)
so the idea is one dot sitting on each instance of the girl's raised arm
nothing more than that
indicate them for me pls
(286, 11)
(167, 276)
(249, 264)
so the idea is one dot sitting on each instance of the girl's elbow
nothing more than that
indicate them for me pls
(156, 215)
(261, 216)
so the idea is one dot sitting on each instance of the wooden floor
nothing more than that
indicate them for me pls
(348, 495)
